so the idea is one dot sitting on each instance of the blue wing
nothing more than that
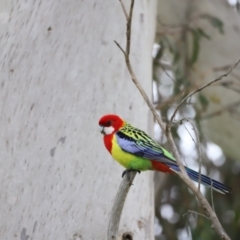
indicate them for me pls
(140, 144)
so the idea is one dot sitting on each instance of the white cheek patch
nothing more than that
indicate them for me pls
(108, 130)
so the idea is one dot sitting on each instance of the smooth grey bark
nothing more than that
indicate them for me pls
(59, 73)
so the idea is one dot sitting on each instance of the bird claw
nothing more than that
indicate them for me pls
(127, 171)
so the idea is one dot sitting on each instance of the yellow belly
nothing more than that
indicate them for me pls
(129, 160)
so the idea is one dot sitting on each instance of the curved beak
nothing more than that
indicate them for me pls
(102, 130)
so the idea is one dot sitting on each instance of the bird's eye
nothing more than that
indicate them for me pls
(108, 123)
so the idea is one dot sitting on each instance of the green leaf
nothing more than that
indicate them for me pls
(203, 100)
(215, 22)
(195, 46)
(203, 34)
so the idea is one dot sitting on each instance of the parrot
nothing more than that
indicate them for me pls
(136, 151)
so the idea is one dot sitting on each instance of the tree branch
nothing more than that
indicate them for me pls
(201, 88)
(221, 110)
(197, 145)
(118, 204)
(124, 10)
(129, 66)
(196, 213)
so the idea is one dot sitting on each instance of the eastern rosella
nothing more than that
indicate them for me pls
(135, 150)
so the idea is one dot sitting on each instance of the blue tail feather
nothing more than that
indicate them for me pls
(206, 181)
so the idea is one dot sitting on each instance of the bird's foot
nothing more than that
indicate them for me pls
(127, 171)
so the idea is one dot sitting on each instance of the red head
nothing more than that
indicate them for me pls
(110, 124)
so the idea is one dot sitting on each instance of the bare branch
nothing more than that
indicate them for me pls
(129, 25)
(230, 86)
(173, 98)
(120, 47)
(124, 10)
(212, 196)
(221, 110)
(166, 72)
(197, 144)
(201, 88)
(118, 204)
(196, 213)
(133, 76)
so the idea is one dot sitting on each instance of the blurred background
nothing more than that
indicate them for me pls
(196, 42)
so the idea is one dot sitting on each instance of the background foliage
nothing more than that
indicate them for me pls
(174, 59)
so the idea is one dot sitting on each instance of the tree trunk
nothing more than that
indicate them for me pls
(60, 71)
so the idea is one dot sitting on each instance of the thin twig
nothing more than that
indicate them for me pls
(193, 212)
(120, 47)
(220, 111)
(118, 204)
(230, 86)
(129, 25)
(166, 72)
(124, 10)
(212, 195)
(201, 88)
(134, 79)
(173, 98)
(197, 145)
